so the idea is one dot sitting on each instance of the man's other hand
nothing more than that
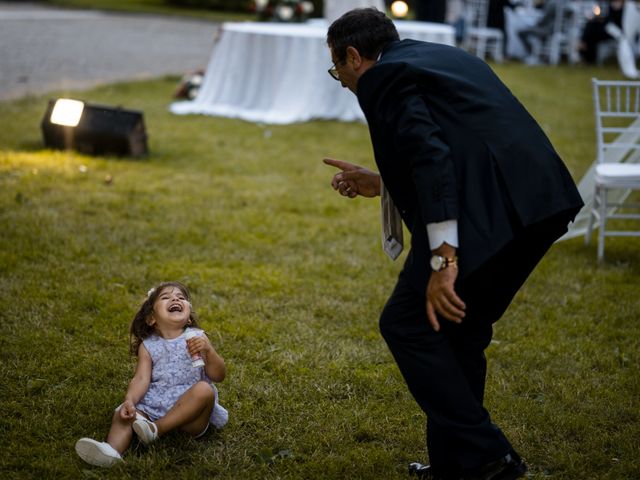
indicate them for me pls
(442, 298)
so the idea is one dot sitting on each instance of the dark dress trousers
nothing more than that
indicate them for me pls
(452, 142)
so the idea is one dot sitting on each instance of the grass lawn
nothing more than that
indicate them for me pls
(288, 278)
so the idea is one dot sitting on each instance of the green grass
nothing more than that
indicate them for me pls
(288, 278)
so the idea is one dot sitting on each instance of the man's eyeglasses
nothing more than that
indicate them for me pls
(333, 71)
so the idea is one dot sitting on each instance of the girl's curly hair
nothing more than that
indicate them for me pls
(140, 329)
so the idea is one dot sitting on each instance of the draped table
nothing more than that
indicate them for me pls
(277, 73)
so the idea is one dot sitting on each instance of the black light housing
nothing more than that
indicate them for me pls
(93, 129)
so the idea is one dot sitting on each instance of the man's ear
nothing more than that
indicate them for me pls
(354, 57)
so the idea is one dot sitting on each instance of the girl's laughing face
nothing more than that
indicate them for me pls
(171, 309)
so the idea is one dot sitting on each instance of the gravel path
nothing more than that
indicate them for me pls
(44, 49)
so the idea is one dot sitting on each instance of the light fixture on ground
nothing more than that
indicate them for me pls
(93, 129)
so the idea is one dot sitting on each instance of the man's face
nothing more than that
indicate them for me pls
(346, 74)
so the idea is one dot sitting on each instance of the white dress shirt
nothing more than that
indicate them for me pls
(442, 232)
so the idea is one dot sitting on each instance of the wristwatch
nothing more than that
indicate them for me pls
(439, 263)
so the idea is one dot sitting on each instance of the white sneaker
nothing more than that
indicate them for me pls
(147, 431)
(100, 454)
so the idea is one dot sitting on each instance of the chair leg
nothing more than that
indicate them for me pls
(603, 223)
(554, 51)
(481, 48)
(592, 216)
(497, 55)
(574, 54)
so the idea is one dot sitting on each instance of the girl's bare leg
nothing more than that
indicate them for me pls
(191, 412)
(120, 433)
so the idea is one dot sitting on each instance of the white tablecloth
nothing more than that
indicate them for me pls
(277, 73)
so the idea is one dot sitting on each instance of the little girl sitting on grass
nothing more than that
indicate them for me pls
(167, 391)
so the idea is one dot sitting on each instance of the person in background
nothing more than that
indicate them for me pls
(542, 29)
(594, 31)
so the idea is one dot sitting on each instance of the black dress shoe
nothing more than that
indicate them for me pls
(508, 467)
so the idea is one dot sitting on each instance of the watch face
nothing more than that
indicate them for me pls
(436, 263)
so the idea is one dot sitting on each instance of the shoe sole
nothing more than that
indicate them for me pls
(93, 455)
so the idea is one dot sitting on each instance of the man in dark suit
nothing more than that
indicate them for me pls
(484, 195)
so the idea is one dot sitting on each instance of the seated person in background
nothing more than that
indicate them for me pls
(594, 31)
(541, 30)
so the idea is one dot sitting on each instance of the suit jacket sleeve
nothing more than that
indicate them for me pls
(417, 141)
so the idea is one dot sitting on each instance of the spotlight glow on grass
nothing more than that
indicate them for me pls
(399, 9)
(67, 112)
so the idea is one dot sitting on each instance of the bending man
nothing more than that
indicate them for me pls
(484, 195)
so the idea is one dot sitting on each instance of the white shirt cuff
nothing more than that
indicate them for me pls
(442, 232)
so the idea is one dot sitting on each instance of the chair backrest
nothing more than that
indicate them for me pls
(617, 115)
(477, 13)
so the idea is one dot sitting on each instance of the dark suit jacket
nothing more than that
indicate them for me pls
(452, 142)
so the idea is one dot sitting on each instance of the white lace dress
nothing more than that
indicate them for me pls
(171, 376)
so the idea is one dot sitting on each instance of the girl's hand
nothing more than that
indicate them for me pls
(213, 363)
(128, 410)
(200, 345)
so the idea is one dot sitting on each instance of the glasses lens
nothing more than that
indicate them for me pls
(333, 71)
